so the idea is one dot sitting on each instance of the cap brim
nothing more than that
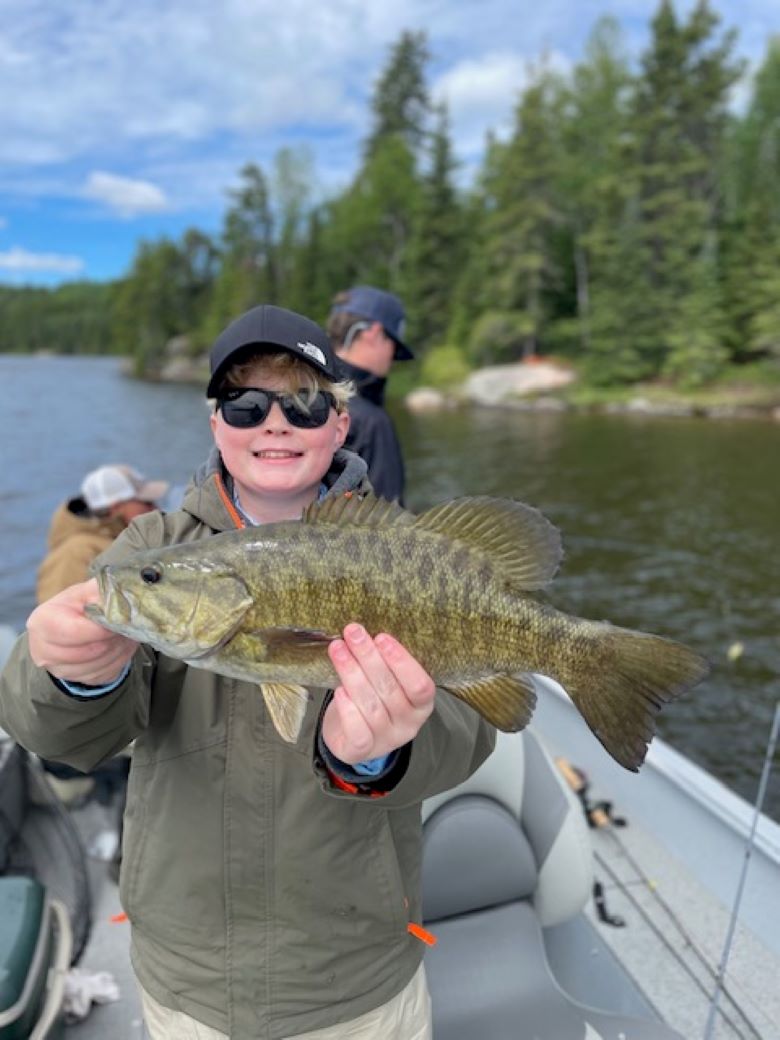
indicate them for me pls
(152, 491)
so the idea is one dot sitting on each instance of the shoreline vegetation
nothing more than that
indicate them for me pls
(549, 385)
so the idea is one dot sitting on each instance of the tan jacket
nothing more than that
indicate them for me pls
(264, 900)
(75, 538)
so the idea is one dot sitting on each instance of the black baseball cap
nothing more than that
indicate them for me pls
(365, 301)
(271, 326)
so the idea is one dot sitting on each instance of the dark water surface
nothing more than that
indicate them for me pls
(669, 525)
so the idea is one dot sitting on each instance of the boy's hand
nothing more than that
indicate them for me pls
(384, 698)
(70, 646)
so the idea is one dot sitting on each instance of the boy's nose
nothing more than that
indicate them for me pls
(275, 420)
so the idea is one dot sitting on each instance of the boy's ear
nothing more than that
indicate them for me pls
(342, 428)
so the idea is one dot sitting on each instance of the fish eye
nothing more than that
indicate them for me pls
(151, 574)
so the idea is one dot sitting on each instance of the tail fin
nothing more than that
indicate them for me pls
(629, 679)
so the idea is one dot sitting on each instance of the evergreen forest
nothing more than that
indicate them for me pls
(629, 224)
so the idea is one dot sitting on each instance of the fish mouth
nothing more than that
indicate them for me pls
(114, 609)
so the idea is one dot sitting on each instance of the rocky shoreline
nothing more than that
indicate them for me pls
(547, 387)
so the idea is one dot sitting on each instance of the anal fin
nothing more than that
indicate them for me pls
(506, 701)
(286, 704)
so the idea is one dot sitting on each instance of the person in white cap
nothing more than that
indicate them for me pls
(85, 525)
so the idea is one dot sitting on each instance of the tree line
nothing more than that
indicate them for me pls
(629, 222)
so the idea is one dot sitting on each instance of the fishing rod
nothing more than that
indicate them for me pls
(770, 754)
(663, 938)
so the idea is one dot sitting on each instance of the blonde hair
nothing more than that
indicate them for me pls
(297, 374)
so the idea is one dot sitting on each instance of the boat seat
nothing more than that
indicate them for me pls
(506, 854)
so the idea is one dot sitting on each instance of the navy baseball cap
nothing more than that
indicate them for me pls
(376, 305)
(271, 326)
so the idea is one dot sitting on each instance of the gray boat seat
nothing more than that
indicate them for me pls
(506, 854)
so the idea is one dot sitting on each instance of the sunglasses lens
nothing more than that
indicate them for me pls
(246, 408)
(311, 409)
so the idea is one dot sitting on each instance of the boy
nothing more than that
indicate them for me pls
(270, 887)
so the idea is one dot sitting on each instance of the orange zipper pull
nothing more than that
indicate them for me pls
(421, 933)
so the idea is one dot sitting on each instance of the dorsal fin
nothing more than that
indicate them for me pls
(363, 510)
(517, 537)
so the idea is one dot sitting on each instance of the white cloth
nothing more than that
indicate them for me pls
(85, 988)
(406, 1017)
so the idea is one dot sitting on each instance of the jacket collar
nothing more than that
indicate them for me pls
(209, 495)
(366, 383)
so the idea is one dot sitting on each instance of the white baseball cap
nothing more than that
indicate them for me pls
(104, 487)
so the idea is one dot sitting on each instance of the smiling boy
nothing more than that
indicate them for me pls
(273, 890)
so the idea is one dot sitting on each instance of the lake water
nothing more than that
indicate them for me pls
(669, 525)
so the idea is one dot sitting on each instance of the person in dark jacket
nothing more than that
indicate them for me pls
(367, 328)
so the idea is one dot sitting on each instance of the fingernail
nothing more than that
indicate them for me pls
(356, 633)
(385, 642)
(339, 650)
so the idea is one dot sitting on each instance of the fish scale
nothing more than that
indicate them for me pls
(457, 586)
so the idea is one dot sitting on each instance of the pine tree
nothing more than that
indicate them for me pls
(598, 192)
(753, 240)
(680, 122)
(247, 274)
(368, 228)
(522, 224)
(437, 246)
(400, 102)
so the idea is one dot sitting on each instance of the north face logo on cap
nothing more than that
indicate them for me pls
(312, 351)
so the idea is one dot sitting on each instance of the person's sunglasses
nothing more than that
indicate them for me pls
(249, 406)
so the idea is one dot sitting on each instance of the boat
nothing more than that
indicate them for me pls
(565, 899)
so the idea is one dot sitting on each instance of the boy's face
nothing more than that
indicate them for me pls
(277, 462)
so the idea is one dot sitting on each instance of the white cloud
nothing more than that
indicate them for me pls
(107, 75)
(128, 197)
(18, 259)
(482, 93)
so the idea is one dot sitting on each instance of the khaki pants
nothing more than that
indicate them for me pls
(406, 1017)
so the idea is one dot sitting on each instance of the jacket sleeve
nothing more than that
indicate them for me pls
(57, 725)
(81, 732)
(64, 566)
(451, 745)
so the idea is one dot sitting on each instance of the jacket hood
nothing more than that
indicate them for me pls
(204, 497)
(366, 383)
(73, 517)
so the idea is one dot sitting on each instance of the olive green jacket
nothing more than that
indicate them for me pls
(264, 900)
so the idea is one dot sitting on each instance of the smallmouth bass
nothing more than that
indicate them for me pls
(455, 585)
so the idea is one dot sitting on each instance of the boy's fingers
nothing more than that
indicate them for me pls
(357, 670)
(356, 739)
(417, 685)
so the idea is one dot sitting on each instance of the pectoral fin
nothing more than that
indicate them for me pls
(292, 645)
(287, 707)
(506, 701)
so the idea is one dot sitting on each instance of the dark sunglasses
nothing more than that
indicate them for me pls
(249, 406)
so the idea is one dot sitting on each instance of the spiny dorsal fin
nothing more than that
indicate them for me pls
(353, 508)
(518, 537)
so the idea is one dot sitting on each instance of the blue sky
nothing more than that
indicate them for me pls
(129, 120)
